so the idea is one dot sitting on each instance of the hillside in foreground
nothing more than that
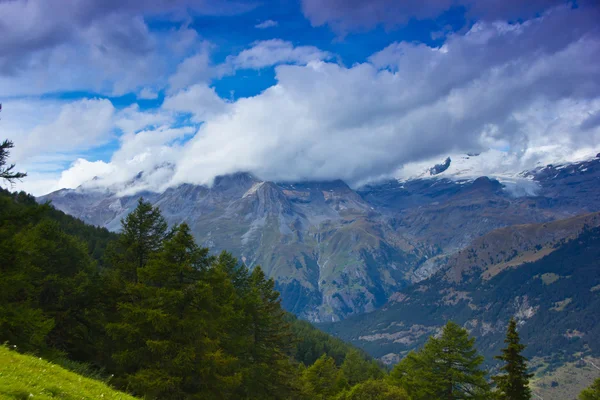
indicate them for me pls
(24, 377)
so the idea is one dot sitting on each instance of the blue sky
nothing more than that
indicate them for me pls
(289, 90)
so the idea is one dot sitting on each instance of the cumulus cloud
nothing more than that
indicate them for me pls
(266, 24)
(350, 15)
(516, 88)
(267, 53)
(194, 69)
(51, 128)
(147, 94)
(500, 85)
(199, 100)
(199, 68)
(103, 46)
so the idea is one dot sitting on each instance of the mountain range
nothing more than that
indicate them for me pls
(337, 251)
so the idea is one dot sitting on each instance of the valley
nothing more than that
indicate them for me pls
(335, 251)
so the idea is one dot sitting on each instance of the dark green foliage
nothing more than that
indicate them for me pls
(47, 278)
(144, 230)
(513, 384)
(151, 307)
(374, 390)
(357, 369)
(311, 343)
(7, 172)
(170, 321)
(323, 379)
(445, 368)
(591, 393)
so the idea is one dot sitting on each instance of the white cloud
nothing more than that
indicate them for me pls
(194, 69)
(51, 128)
(267, 53)
(199, 100)
(147, 94)
(509, 87)
(326, 121)
(82, 171)
(266, 24)
(106, 52)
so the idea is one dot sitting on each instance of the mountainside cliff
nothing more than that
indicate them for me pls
(335, 251)
(552, 289)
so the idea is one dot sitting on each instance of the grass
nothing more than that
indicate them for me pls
(31, 378)
(566, 381)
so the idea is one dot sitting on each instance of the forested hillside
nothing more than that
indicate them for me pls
(165, 317)
(555, 298)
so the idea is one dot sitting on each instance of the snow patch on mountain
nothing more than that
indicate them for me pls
(511, 169)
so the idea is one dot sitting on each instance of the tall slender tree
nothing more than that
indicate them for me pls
(445, 368)
(144, 231)
(7, 171)
(513, 384)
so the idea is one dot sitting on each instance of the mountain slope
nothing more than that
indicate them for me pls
(23, 377)
(555, 299)
(335, 251)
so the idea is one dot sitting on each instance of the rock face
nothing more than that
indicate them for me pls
(546, 275)
(335, 251)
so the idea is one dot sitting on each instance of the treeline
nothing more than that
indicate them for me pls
(148, 307)
(168, 320)
(165, 319)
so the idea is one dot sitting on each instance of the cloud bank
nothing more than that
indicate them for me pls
(515, 88)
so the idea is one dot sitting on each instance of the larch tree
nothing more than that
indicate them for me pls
(447, 368)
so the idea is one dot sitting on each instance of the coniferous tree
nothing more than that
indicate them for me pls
(591, 393)
(7, 171)
(169, 326)
(323, 379)
(268, 373)
(143, 233)
(447, 368)
(356, 369)
(374, 390)
(513, 384)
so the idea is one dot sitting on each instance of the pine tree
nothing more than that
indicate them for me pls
(514, 383)
(170, 324)
(447, 368)
(591, 393)
(7, 171)
(268, 372)
(143, 233)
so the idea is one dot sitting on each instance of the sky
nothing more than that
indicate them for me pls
(136, 95)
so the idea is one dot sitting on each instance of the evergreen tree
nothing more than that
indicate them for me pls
(514, 383)
(268, 372)
(323, 379)
(7, 171)
(170, 324)
(373, 390)
(143, 233)
(356, 369)
(446, 368)
(591, 393)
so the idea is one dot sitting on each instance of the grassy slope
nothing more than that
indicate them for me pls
(566, 381)
(28, 377)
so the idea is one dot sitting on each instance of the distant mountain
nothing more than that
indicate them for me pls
(546, 275)
(335, 251)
